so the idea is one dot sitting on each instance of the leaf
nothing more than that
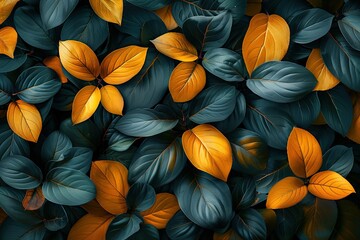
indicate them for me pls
(354, 130)
(304, 153)
(249, 224)
(228, 235)
(330, 185)
(141, 196)
(122, 64)
(6, 89)
(85, 103)
(123, 226)
(339, 159)
(176, 46)
(208, 150)
(154, 5)
(181, 228)
(112, 99)
(90, 227)
(117, 141)
(166, 16)
(349, 27)
(25, 120)
(146, 231)
(110, 179)
(68, 187)
(288, 222)
(20, 172)
(6, 9)
(266, 39)
(55, 216)
(34, 199)
(10, 64)
(12, 144)
(281, 81)
(79, 60)
(8, 40)
(11, 229)
(286, 193)
(110, 11)
(54, 13)
(54, 63)
(152, 29)
(54, 146)
(186, 81)
(243, 192)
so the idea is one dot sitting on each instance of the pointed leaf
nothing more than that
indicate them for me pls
(166, 16)
(349, 27)
(85, 103)
(34, 199)
(54, 63)
(339, 159)
(6, 7)
(8, 40)
(110, 11)
(54, 146)
(112, 100)
(123, 226)
(54, 13)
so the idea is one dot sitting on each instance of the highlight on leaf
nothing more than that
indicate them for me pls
(6, 7)
(34, 199)
(85, 103)
(112, 100)
(166, 16)
(111, 11)
(8, 40)
(54, 63)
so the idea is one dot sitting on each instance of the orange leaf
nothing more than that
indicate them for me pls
(79, 60)
(304, 153)
(354, 131)
(90, 227)
(228, 235)
(54, 63)
(25, 120)
(85, 103)
(208, 150)
(176, 46)
(266, 39)
(93, 207)
(110, 179)
(186, 81)
(253, 7)
(8, 40)
(108, 10)
(286, 193)
(33, 199)
(123, 64)
(164, 208)
(112, 99)
(166, 16)
(6, 7)
(330, 185)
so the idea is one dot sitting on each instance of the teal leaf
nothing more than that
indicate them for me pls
(351, 7)
(12, 229)
(6, 89)
(147, 231)
(123, 226)
(249, 224)
(10, 64)
(64, 98)
(350, 29)
(243, 192)
(45, 108)
(12, 144)
(103, 118)
(55, 216)
(286, 9)
(181, 228)
(339, 159)
(151, 30)
(140, 197)
(150, 5)
(116, 140)
(288, 221)
(54, 146)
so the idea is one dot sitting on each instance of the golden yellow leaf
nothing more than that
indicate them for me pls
(6, 7)
(108, 10)
(110, 179)
(85, 103)
(3, 216)
(354, 131)
(286, 193)
(228, 235)
(330, 185)
(33, 199)
(8, 40)
(266, 39)
(54, 63)
(186, 81)
(164, 208)
(166, 16)
(304, 153)
(253, 7)
(79, 60)
(208, 150)
(25, 120)
(90, 227)
(112, 99)
(176, 46)
(123, 64)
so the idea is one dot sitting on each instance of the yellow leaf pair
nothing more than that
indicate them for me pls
(6, 7)
(8, 40)
(305, 159)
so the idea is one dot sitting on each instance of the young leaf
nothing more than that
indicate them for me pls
(286, 193)
(304, 153)
(166, 16)
(34, 199)
(79, 60)
(176, 46)
(6, 7)
(110, 11)
(25, 120)
(112, 100)
(54, 13)
(122, 64)
(8, 40)
(208, 150)
(266, 39)
(330, 185)
(349, 27)
(186, 81)
(85, 103)
(54, 63)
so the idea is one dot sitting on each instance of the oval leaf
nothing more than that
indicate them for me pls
(110, 11)
(6, 9)
(181, 228)
(349, 27)
(339, 159)
(8, 40)
(34, 199)
(85, 104)
(54, 146)
(249, 224)
(112, 100)
(141, 196)
(123, 226)
(54, 13)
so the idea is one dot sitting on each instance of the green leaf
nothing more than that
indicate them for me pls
(339, 159)
(310, 25)
(281, 81)
(151, 6)
(351, 7)
(54, 13)
(12, 229)
(350, 29)
(55, 216)
(288, 221)
(249, 224)
(20, 172)
(213, 104)
(157, 161)
(123, 226)
(10, 64)
(208, 32)
(146, 231)
(286, 9)
(347, 226)
(225, 64)
(68, 187)
(181, 228)
(103, 118)
(116, 140)
(6, 89)
(324, 135)
(37, 84)
(151, 30)
(54, 146)
(64, 98)
(12, 144)
(141, 197)
(45, 108)
(243, 191)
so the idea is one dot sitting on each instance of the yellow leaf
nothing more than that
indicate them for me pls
(228, 235)
(110, 179)
(25, 120)
(164, 208)
(85, 103)
(90, 227)
(176, 46)
(266, 39)
(79, 60)
(330, 185)
(108, 10)
(316, 65)
(286, 193)
(304, 153)
(8, 40)
(354, 131)
(253, 7)
(112, 99)
(186, 81)
(208, 150)
(6, 7)
(123, 64)
(34, 199)
(54, 63)
(166, 16)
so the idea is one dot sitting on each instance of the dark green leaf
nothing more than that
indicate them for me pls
(147, 231)
(12, 229)
(45, 108)
(351, 7)
(103, 118)
(117, 141)
(123, 226)
(288, 222)
(6, 89)
(347, 226)
(249, 224)
(123, 157)
(54, 146)
(54, 12)
(324, 135)
(12, 144)
(151, 30)
(243, 191)
(284, 8)
(237, 35)
(64, 98)
(350, 29)
(55, 216)
(10, 64)
(297, 52)
(181, 228)
(141, 196)
(339, 159)
(150, 5)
